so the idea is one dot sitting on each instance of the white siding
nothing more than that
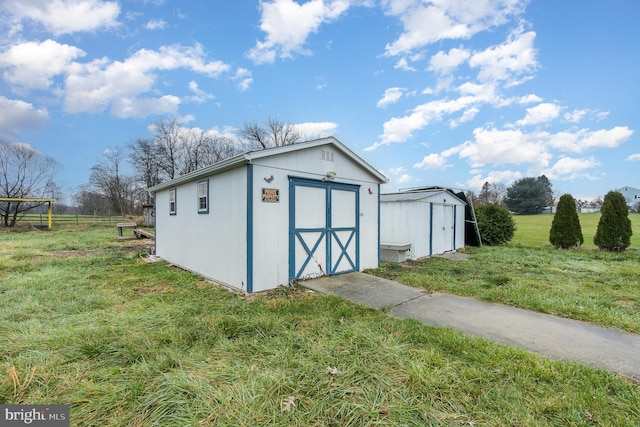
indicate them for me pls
(270, 230)
(213, 244)
(395, 218)
(411, 221)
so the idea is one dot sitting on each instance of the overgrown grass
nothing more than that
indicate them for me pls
(85, 322)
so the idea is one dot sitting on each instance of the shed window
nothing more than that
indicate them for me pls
(203, 196)
(172, 202)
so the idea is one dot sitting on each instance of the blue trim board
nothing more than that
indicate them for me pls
(292, 227)
(455, 212)
(249, 227)
(430, 229)
(378, 225)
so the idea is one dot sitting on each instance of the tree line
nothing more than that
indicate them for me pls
(118, 182)
(530, 196)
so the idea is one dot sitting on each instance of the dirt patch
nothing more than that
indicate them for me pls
(74, 253)
(454, 256)
(157, 289)
(138, 245)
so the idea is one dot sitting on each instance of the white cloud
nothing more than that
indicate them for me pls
(156, 24)
(317, 129)
(508, 61)
(399, 129)
(100, 84)
(66, 16)
(433, 161)
(541, 113)
(575, 116)
(467, 116)
(445, 63)
(32, 65)
(500, 147)
(391, 96)
(288, 24)
(494, 177)
(428, 22)
(569, 168)
(529, 99)
(199, 96)
(633, 157)
(245, 78)
(17, 114)
(585, 139)
(143, 107)
(402, 64)
(397, 171)
(404, 178)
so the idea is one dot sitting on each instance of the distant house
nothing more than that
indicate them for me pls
(632, 195)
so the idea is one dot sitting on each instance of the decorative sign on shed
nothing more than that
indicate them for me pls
(270, 195)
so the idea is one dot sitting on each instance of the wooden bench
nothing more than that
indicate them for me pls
(140, 233)
(122, 225)
(394, 252)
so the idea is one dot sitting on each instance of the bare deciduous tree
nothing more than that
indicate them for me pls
(24, 172)
(166, 135)
(275, 133)
(181, 150)
(202, 149)
(145, 160)
(109, 181)
(89, 202)
(492, 193)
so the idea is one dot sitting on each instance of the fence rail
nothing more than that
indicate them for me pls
(73, 219)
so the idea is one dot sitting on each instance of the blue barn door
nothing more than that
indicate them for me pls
(323, 228)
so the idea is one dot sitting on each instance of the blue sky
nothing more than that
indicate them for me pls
(431, 92)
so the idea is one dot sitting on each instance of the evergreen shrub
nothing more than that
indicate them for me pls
(495, 224)
(565, 230)
(614, 228)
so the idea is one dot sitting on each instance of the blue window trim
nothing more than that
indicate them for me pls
(206, 210)
(175, 201)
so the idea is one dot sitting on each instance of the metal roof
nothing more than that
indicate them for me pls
(416, 195)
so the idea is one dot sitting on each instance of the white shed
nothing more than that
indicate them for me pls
(261, 219)
(431, 221)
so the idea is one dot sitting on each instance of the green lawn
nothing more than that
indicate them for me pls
(84, 321)
(584, 284)
(533, 230)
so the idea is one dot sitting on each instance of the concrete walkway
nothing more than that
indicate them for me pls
(551, 336)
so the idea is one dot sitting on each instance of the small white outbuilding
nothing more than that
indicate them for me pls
(262, 219)
(423, 222)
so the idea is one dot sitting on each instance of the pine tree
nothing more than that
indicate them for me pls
(565, 230)
(614, 228)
